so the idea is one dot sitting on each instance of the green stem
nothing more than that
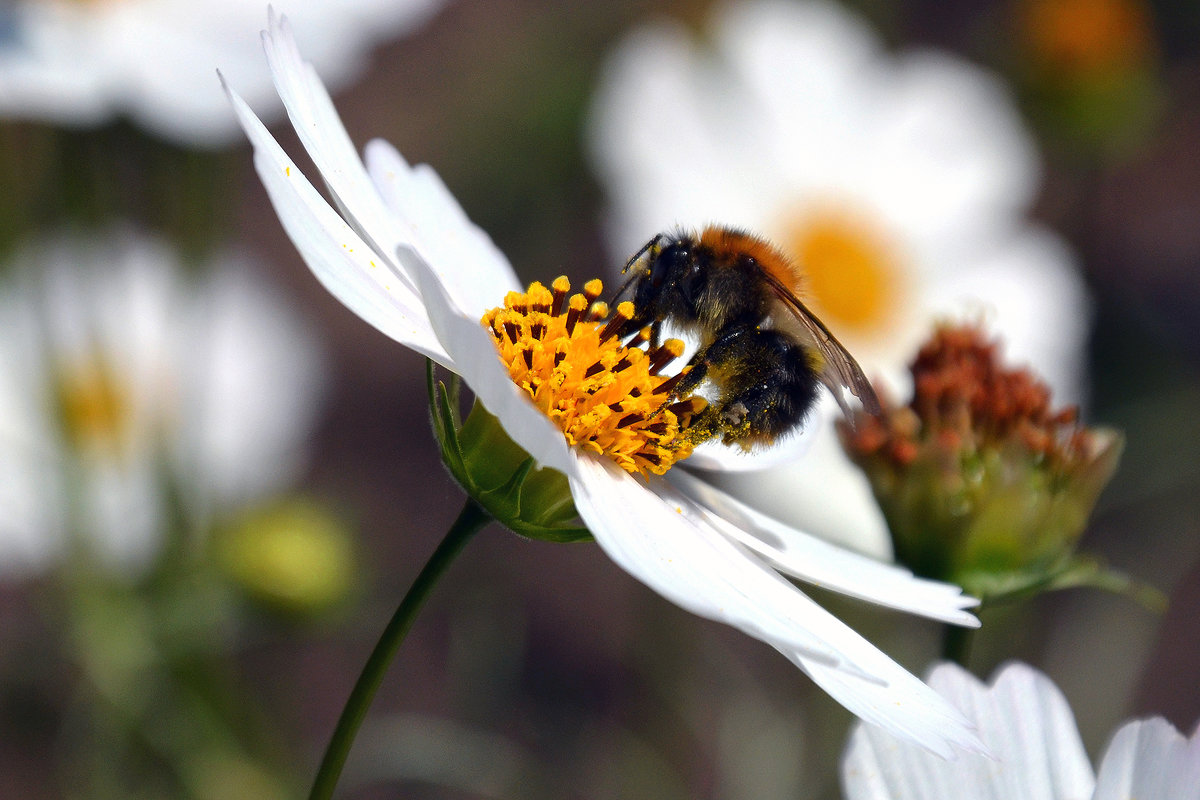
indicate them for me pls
(470, 520)
(956, 644)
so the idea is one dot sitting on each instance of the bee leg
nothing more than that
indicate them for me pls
(711, 422)
(697, 371)
(728, 349)
(655, 333)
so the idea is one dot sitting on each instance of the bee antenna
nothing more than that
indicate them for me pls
(647, 247)
(624, 286)
(658, 237)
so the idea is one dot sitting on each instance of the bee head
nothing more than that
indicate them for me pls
(661, 277)
(669, 263)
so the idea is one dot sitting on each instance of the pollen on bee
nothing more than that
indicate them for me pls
(607, 397)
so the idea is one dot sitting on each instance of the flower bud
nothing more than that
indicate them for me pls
(982, 481)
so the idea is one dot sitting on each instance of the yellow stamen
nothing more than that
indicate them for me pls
(598, 311)
(670, 350)
(624, 313)
(605, 396)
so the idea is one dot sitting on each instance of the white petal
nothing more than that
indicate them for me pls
(823, 493)
(949, 157)
(1028, 290)
(656, 90)
(476, 360)
(32, 493)
(663, 540)
(1150, 760)
(159, 63)
(394, 204)
(153, 59)
(47, 72)
(316, 121)
(467, 262)
(722, 458)
(897, 704)
(343, 263)
(831, 567)
(660, 537)
(1023, 720)
(806, 63)
(250, 394)
(126, 509)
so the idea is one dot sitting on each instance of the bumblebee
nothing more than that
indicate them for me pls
(763, 351)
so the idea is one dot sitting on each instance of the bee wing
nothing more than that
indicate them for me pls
(838, 369)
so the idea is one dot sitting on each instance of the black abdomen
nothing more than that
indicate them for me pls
(765, 382)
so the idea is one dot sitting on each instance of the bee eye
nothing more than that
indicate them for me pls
(669, 262)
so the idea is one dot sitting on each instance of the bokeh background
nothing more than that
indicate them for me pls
(540, 670)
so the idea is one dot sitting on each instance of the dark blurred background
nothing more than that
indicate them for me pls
(541, 670)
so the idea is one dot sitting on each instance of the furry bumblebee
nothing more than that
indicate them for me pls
(761, 348)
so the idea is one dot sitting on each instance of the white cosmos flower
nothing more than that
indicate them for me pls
(400, 252)
(82, 62)
(1037, 754)
(120, 373)
(898, 182)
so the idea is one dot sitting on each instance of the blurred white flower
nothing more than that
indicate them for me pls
(898, 181)
(397, 249)
(127, 385)
(1037, 754)
(81, 63)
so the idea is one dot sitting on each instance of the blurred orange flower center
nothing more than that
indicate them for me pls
(1087, 35)
(852, 272)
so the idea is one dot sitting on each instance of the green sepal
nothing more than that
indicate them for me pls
(444, 418)
(495, 472)
(1006, 586)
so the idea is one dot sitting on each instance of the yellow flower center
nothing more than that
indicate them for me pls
(606, 397)
(852, 273)
(93, 408)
